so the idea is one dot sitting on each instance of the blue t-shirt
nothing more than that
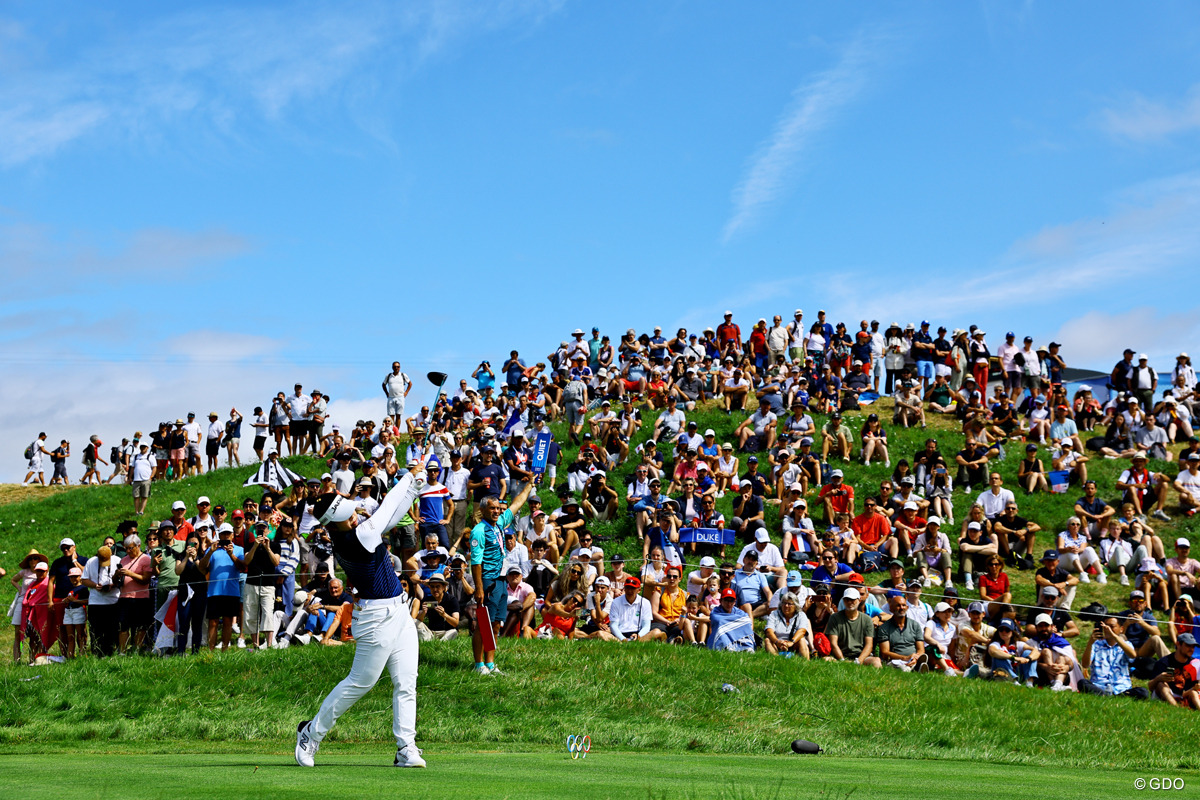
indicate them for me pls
(484, 380)
(494, 474)
(487, 544)
(751, 586)
(658, 347)
(223, 573)
(516, 369)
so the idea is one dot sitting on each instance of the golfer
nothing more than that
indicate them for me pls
(384, 631)
(491, 587)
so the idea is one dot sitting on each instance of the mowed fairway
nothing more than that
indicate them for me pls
(365, 771)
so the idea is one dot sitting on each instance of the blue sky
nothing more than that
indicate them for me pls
(200, 203)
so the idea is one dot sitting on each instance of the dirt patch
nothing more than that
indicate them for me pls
(15, 492)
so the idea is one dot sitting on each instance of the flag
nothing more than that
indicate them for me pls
(512, 421)
(272, 473)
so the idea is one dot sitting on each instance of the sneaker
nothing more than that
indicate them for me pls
(494, 670)
(1101, 578)
(1059, 686)
(972, 671)
(304, 638)
(720, 495)
(241, 644)
(1124, 580)
(1084, 578)
(408, 756)
(970, 584)
(236, 628)
(927, 583)
(1028, 684)
(306, 748)
(922, 664)
(481, 669)
(887, 464)
(1160, 514)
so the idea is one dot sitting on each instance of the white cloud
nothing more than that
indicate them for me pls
(1140, 119)
(220, 70)
(1098, 337)
(813, 108)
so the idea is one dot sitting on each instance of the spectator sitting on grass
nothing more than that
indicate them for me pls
(851, 633)
(835, 438)
(1175, 680)
(932, 551)
(753, 588)
(1077, 555)
(1140, 627)
(1046, 604)
(1011, 656)
(901, 642)
(1107, 660)
(1057, 662)
(439, 614)
(630, 616)
(787, 630)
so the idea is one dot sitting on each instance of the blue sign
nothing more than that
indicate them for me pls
(719, 536)
(541, 451)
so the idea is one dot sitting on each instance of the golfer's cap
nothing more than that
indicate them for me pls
(762, 536)
(977, 607)
(794, 579)
(915, 583)
(513, 569)
(602, 581)
(724, 593)
(1143, 357)
(203, 499)
(438, 577)
(708, 561)
(1046, 618)
(851, 594)
(71, 542)
(934, 519)
(1187, 639)
(837, 473)
(179, 505)
(974, 526)
(1181, 542)
(895, 562)
(1049, 555)
(911, 506)
(942, 607)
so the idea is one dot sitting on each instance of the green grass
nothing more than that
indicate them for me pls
(349, 772)
(641, 697)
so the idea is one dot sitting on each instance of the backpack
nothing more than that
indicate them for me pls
(29, 452)
(114, 455)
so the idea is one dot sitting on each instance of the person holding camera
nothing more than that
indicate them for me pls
(223, 562)
(103, 615)
(1106, 661)
(438, 616)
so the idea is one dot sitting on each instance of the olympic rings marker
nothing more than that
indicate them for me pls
(579, 745)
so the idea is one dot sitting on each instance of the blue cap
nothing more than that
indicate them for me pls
(1049, 554)
(1010, 333)
(1008, 623)
(924, 322)
(795, 578)
(894, 593)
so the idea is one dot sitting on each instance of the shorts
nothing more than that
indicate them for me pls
(259, 442)
(212, 447)
(161, 454)
(193, 449)
(405, 537)
(495, 599)
(671, 630)
(631, 386)
(925, 369)
(298, 427)
(136, 613)
(141, 489)
(232, 440)
(223, 605)
(178, 453)
(90, 463)
(941, 370)
(76, 615)
(575, 413)
(1031, 382)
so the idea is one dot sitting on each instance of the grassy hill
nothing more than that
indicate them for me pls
(638, 697)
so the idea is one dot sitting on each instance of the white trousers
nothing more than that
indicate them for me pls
(385, 636)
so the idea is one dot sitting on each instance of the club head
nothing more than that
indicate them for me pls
(436, 378)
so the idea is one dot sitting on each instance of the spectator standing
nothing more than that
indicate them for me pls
(104, 617)
(33, 455)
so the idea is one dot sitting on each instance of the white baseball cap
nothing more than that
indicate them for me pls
(602, 581)
(179, 505)
(1180, 542)
(71, 542)
(942, 607)
(911, 506)
(934, 519)
(203, 499)
(708, 561)
(1046, 618)
(584, 551)
(851, 594)
(762, 536)
(1067, 441)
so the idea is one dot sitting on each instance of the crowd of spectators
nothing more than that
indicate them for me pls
(265, 573)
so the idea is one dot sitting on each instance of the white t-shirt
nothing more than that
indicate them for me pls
(298, 407)
(943, 636)
(769, 556)
(396, 385)
(101, 576)
(343, 479)
(261, 420)
(193, 431)
(215, 430)
(456, 482)
(993, 504)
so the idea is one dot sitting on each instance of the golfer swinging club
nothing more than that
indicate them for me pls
(383, 629)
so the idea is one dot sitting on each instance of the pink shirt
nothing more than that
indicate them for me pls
(142, 566)
(1191, 567)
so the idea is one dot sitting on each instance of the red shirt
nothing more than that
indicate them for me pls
(996, 587)
(871, 527)
(840, 496)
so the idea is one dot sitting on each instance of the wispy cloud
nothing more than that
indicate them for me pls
(1140, 119)
(38, 261)
(1098, 337)
(1153, 229)
(814, 107)
(223, 70)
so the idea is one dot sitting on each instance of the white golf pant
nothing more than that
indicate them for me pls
(385, 636)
